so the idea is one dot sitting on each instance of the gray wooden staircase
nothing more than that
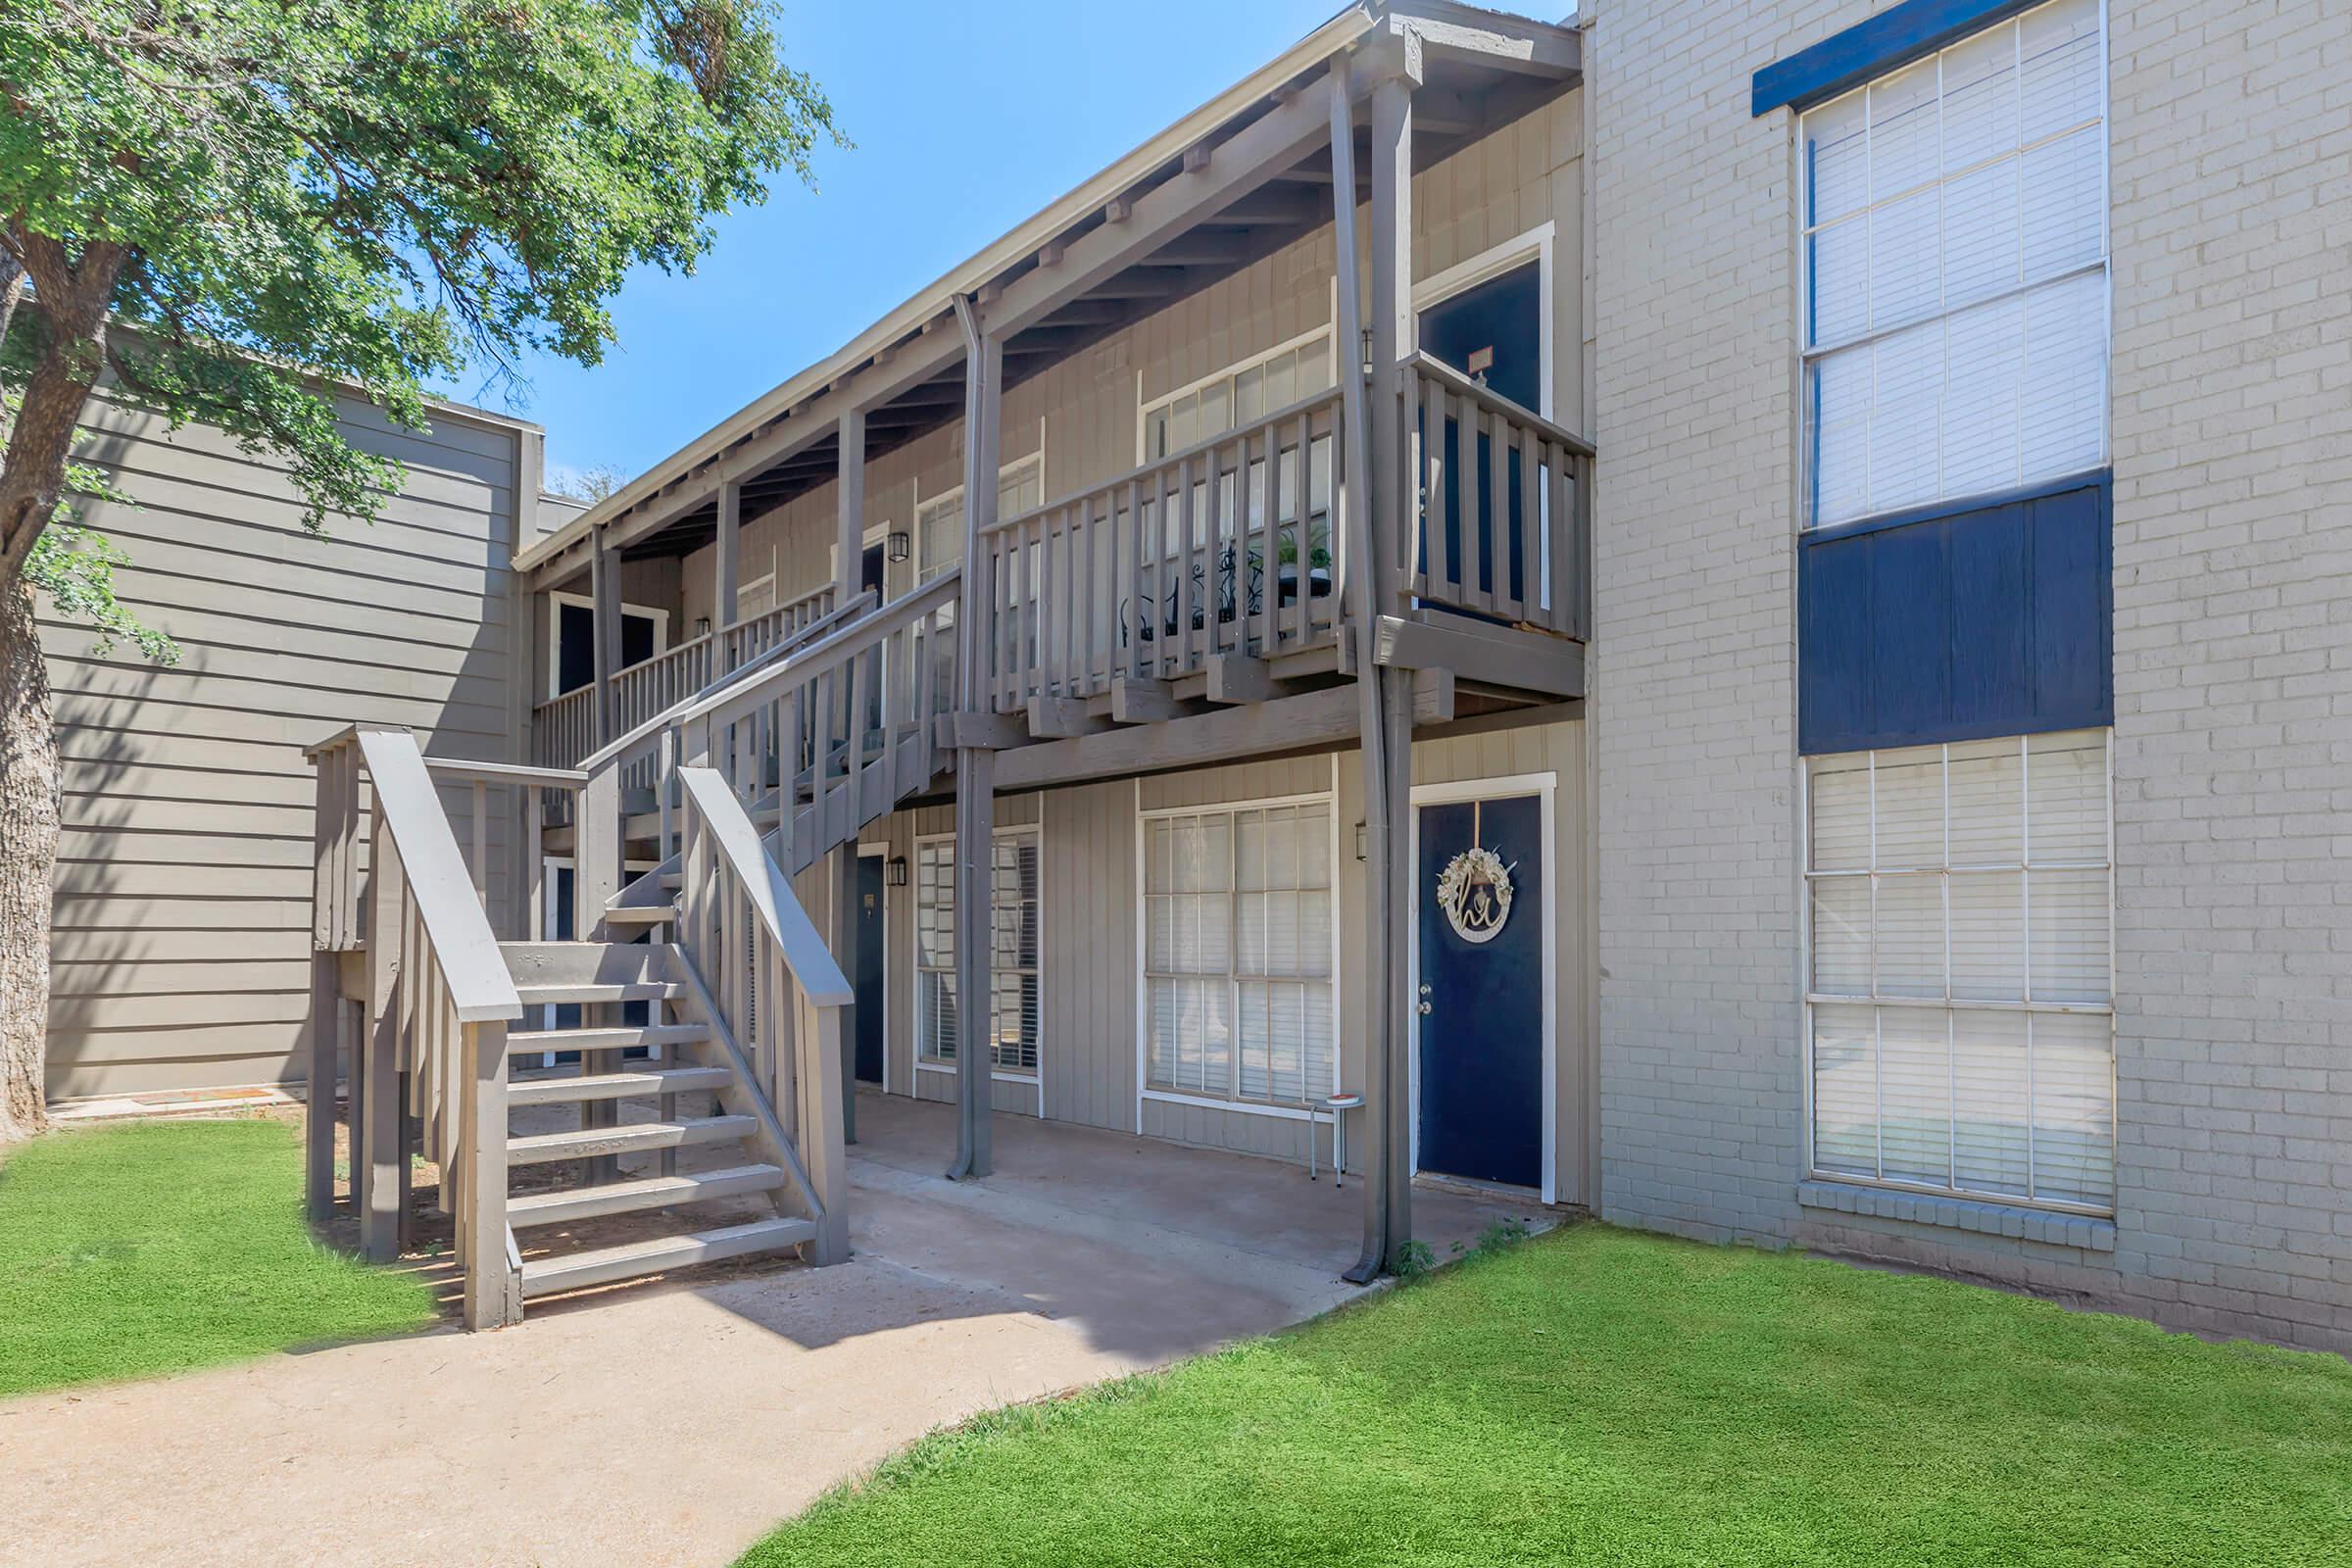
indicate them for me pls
(736, 1051)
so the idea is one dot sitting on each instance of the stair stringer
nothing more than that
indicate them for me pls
(747, 1095)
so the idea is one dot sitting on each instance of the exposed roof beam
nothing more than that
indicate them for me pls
(1257, 153)
(1484, 38)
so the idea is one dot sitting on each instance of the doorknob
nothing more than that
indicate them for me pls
(1424, 1010)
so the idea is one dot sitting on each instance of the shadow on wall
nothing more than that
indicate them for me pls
(181, 951)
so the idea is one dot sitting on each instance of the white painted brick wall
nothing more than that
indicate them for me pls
(2232, 223)
(2232, 128)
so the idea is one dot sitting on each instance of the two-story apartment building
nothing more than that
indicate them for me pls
(1724, 613)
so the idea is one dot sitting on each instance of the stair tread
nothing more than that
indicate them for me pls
(617, 1085)
(631, 1259)
(617, 1037)
(628, 1138)
(640, 913)
(649, 1192)
(543, 993)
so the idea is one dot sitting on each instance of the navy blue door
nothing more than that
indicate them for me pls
(871, 970)
(1493, 334)
(1482, 1018)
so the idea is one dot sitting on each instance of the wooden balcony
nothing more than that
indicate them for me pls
(1218, 575)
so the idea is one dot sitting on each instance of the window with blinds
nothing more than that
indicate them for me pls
(1235, 396)
(939, 521)
(1962, 1032)
(1014, 1018)
(1238, 954)
(1956, 270)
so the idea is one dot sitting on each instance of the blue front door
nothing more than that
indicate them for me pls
(872, 968)
(1481, 989)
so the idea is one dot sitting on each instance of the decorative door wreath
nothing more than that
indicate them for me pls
(1475, 892)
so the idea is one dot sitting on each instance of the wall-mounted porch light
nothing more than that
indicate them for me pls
(895, 871)
(1359, 840)
(1367, 336)
(899, 544)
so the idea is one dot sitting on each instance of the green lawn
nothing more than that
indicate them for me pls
(1607, 1397)
(161, 1246)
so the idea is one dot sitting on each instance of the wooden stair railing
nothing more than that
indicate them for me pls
(564, 727)
(439, 1003)
(785, 1003)
(841, 731)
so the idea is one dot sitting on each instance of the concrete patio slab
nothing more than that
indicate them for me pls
(674, 1422)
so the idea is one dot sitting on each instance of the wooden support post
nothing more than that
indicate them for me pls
(975, 765)
(604, 596)
(319, 1092)
(493, 1287)
(377, 1144)
(1379, 508)
(845, 953)
(821, 1138)
(849, 511)
(727, 585)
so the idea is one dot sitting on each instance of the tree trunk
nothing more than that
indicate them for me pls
(73, 293)
(28, 824)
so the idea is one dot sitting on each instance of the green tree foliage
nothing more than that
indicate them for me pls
(232, 210)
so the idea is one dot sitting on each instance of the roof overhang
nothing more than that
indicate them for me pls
(1482, 67)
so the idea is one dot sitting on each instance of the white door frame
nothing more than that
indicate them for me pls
(1544, 786)
(557, 598)
(868, 849)
(1490, 263)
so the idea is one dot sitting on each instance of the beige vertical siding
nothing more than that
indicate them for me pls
(1084, 414)
(183, 904)
(1091, 909)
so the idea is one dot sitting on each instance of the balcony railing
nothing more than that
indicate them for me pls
(1505, 529)
(1226, 547)
(564, 730)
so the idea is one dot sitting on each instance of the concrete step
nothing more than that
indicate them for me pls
(637, 1138)
(638, 916)
(546, 1275)
(617, 1085)
(652, 1192)
(585, 992)
(620, 1038)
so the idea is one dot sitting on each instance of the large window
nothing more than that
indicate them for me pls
(1956, 270)
(1238, 953)
(939, 520)
(1238, 393)
(1014, 1018)
(1960, 999)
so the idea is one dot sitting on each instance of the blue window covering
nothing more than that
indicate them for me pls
(1959, 623)
(1893, 37)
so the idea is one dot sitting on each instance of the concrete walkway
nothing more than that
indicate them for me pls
(676, 1422)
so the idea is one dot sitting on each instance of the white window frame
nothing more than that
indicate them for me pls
(1145, 408)
(1947, 1004)
(558, 598)
(1809, 354)
(1143, 818)
(915, 970)
(955, 493)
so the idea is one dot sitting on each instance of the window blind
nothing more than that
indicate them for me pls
(1238, 953)
(1956, 270)
(1960, 995)
(1015, 1016)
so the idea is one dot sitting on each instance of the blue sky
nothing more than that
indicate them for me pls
(966, 120)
